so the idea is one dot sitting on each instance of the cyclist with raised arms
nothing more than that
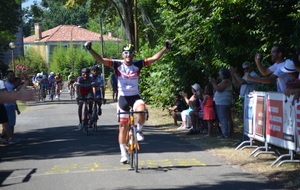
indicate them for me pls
(84, 90)
(128, 72)
(99, 83)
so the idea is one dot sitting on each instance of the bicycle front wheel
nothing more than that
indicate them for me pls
(95, 117)
(135, 150)
(86, 121)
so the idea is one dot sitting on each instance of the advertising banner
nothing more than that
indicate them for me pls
(297, 132)
(280, 121)
(259, 120)
(248, 115)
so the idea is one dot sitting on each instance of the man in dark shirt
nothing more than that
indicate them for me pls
(177, 109)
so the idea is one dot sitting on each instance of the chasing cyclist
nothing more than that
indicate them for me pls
(44, 84)
(128, 72)
(58, 85)
(84, 90)
(71, 81)
(51, 80)
(99, 83)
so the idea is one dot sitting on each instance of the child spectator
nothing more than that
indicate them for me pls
(208, 106)
(177, 109)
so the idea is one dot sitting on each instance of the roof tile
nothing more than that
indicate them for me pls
(69, 33)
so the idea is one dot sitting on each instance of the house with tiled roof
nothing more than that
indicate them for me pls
(45, 41)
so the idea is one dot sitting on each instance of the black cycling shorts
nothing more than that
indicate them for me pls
(125, 102)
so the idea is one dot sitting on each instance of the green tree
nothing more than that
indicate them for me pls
(208, 35)
(51, 14)
(28, 66)
(10, 20)
(124, 10)
(73, 58)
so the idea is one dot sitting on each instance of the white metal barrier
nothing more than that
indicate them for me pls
(271, 118)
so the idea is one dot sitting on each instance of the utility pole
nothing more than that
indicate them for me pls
(136, 42)
(102, 52)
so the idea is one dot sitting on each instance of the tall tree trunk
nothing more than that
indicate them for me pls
(128, 20)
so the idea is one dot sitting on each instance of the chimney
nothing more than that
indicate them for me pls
(38, 31)
(110, 34)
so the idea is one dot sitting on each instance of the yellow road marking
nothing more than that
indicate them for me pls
(66, 168)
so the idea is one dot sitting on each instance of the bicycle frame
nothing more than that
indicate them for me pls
(131, 137)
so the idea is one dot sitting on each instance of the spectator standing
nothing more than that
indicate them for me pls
(208, 108)
(246, 86)
(114, 85)
(290, 69)
(277, 56)
(177, 109)
(6, 129)
(11, 106)
(294, 86)
(223, 101)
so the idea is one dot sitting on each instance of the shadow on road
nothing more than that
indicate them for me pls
(68, 141)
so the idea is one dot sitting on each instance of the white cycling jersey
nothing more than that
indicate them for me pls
(128, 76)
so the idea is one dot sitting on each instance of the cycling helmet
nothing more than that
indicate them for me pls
(85, 70)
(52, 73)
(128, 47)
(58, 74)
(96, 68)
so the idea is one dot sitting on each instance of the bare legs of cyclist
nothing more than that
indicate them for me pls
(139, 105)
(57, 91)
(99, 102)
(123, 128)
(80, 105)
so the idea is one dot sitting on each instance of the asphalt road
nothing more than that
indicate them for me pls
(55, 155)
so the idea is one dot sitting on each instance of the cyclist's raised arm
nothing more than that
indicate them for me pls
(159, 54)
(104, 61)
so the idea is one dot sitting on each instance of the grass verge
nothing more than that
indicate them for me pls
(288, 174)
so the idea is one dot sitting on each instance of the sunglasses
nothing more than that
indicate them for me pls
(246, 68)
(128, 52)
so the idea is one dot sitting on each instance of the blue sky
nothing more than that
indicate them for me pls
(28, 3)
